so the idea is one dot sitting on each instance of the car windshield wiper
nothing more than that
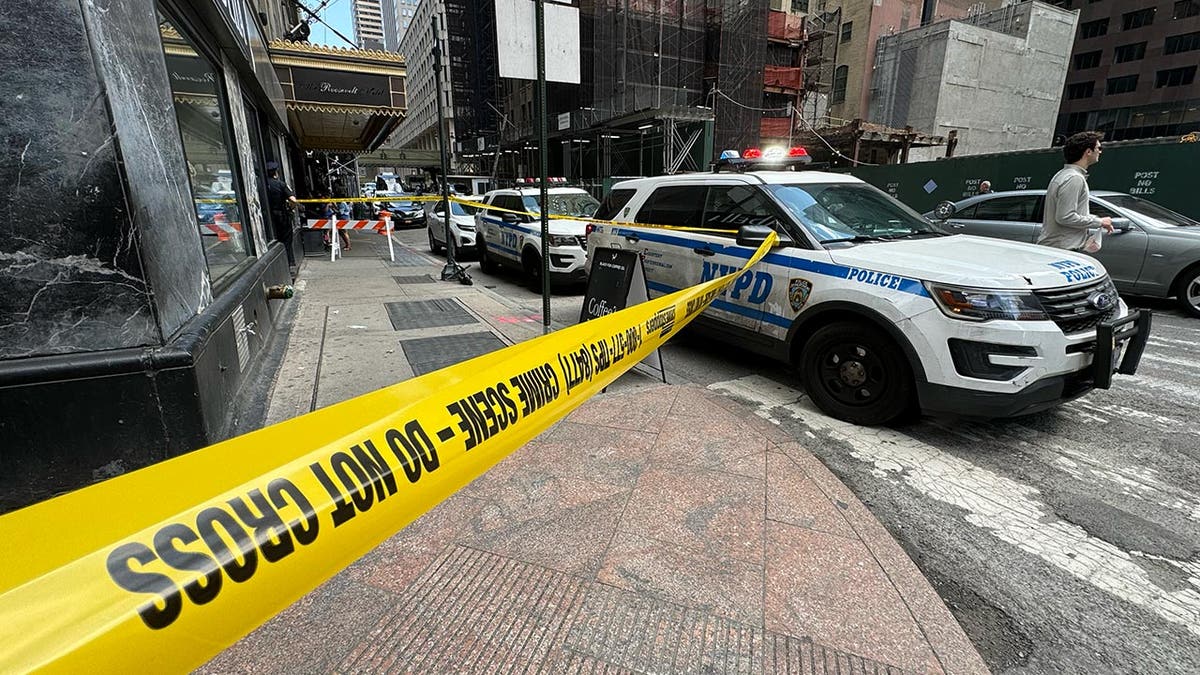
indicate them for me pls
(855, 238)
(914, 234)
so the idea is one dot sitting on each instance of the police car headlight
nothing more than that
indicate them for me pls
(974, 304)
(563, 240)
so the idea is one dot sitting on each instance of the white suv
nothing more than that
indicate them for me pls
(516, 240)
(881, 315)
(462, 225)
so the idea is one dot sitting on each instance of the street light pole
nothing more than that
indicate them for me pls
(452, 271)
(544, 202)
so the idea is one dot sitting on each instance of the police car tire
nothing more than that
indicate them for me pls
(888, 378)
(531, 263)
(486, 263)
(433, 245)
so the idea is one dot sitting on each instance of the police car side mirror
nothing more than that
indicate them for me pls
(754, 235)
(944, 210)
(510, 217)
(1122, 224)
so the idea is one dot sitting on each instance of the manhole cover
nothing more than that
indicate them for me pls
(412, 314)
(426, 355)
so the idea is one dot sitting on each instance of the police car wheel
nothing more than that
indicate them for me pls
(856, 373)
(433, 245)
(486, 263)
(532, 264)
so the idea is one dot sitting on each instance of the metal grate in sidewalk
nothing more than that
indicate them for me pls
(474, 611)
(406, 257)
(414, 314)
(418, 279)
(426, 355)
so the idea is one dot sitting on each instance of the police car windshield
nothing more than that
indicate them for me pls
(580, 205)
(849, 212)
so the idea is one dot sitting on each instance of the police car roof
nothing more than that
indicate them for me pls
(750, 177)
(535, 191)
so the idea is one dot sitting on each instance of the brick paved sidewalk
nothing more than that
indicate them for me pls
(658, 528)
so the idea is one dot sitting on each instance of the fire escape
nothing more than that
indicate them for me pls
(820, 61)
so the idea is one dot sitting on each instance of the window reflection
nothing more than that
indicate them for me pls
(196, 90)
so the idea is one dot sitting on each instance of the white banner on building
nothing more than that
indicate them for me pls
(516, 41)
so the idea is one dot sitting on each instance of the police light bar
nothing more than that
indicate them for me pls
(775, 156)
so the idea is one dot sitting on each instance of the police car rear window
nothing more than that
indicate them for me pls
(674, 205)
(613, 203)
(729, 207)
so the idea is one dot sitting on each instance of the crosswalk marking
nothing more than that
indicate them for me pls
(1010, 510)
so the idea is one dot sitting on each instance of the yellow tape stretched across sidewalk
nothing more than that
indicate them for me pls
(498, 209)
(167, 566)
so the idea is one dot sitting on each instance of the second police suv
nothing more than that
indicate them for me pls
(508, 233)
(881, 315)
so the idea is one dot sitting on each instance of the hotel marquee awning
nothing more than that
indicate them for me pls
(347, 100)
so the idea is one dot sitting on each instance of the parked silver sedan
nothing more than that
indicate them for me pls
(1154, 252)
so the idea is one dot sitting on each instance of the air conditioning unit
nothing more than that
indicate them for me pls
(780, 5)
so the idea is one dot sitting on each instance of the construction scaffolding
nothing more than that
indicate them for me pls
(664, 83)
(739, 52)
(820, 64)
(643, 54)
(857, 142)
(474, 77)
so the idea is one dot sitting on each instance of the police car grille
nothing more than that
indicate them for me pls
(1070, 309)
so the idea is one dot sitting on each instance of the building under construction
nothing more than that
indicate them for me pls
(666, 84)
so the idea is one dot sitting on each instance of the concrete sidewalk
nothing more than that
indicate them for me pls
(658, 528)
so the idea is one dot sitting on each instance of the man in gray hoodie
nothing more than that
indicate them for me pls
(1067, 217)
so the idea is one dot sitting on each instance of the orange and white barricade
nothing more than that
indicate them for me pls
(382, 226)
(221, 227)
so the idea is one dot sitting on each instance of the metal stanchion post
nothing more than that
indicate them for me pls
(452, 271)
(544, 201)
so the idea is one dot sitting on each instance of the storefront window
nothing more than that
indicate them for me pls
(208, 149)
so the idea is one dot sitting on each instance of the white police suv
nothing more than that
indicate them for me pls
(881, 315)
(515, 240)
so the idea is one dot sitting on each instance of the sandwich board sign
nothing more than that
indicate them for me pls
(617, 281)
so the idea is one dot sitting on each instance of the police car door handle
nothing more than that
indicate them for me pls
(704, 251)
(632, 237)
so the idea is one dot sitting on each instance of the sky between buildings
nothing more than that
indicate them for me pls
(336, 14)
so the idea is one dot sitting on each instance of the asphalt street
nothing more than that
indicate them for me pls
(1067, 541)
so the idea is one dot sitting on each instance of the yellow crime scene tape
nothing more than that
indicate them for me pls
(488, 207)
(171, 564)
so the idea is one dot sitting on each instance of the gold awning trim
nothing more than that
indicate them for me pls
(345, 109)
(342, 52)
(194, 99)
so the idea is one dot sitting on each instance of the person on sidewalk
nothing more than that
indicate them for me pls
(280, 202)
(985, 187)
(1067, 218)
(330, 213)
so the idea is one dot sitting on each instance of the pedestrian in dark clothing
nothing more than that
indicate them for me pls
(280, 202)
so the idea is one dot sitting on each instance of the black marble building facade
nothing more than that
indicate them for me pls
(115, 349)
